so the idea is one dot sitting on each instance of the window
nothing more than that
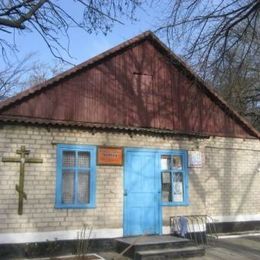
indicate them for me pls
(174, 178)
(76, 176)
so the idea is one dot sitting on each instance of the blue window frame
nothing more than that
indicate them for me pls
(174, 178)
(76, 176)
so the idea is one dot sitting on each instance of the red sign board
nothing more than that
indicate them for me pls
(110, 156)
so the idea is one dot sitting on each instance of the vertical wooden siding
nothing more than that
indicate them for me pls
(138, 87)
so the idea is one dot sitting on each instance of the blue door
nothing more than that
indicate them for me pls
(142, 193)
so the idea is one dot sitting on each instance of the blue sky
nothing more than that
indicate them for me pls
(82, 45)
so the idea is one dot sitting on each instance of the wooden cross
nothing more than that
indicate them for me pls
(22, 160)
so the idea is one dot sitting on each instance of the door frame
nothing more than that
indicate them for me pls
(157, 153)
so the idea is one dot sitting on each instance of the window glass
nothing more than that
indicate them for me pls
(83, 187)
(178, 187)
(83, 160)
(69, 159)
(177, 163)
(165, 162)
(67, 186)
(166, 187)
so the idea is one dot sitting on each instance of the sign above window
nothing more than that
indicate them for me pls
(110, 156)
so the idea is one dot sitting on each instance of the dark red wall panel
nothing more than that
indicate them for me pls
(138, 87)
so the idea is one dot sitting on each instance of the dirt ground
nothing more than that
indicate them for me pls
(240, 248)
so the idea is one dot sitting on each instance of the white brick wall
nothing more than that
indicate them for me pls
(225, 185)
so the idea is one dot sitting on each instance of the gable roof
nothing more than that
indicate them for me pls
(13, 101)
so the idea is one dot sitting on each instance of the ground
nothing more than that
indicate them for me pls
(234, 249)
(227, 249)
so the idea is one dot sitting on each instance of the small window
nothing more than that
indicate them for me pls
(174, 179)
(76, 175)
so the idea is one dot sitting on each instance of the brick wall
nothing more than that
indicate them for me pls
(232, 179)
(225, 185)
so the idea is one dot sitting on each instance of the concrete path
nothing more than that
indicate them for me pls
(234, 249)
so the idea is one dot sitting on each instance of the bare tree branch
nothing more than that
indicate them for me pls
(11, 76)
(206, 26)
(51, 19)
(25, 73)
(18, 23)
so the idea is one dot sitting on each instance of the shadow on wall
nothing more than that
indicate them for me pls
(232, 177)
(140, 86)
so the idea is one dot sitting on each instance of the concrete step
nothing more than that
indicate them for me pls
(133, 244)
(169, 253)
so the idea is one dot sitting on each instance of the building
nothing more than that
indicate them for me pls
(127, 139)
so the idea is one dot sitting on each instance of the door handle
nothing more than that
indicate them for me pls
(125, 193)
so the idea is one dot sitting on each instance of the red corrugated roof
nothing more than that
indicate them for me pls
(100, 127)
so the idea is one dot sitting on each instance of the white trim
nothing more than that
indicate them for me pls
(237, 236)
(31, 237)
(15, 238)
(236, 218)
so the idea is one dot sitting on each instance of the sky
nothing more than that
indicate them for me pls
(83, 45)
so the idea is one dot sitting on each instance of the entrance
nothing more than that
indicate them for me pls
(142, 211)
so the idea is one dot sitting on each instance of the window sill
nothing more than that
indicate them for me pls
(74, 206)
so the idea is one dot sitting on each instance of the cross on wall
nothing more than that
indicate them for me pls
(22, 160)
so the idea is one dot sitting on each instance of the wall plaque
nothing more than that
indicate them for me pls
(195, 159)
(110, 156)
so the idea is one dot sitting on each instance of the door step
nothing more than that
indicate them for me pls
(169, 253)
(143, 247)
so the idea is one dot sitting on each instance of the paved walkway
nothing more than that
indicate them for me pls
(234, 249)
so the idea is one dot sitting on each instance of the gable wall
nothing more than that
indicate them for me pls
(226, 185)
(114, 93)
